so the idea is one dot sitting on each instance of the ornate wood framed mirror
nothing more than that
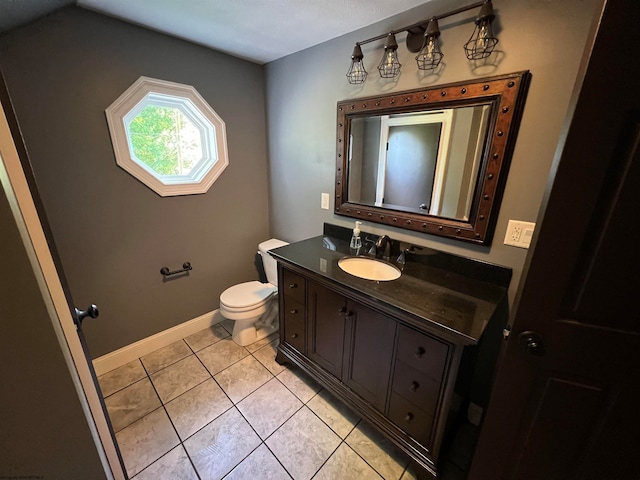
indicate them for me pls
(433, 160)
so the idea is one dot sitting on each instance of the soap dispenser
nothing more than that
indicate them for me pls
(356, 241)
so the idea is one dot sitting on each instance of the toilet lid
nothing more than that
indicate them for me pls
(246, 294)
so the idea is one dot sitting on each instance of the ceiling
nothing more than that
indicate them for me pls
(256, 30)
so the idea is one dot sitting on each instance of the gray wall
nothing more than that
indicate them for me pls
(112, 232)
(545, 37)
(44, 431)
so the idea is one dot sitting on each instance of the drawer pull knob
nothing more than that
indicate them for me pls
(408, 417)
(295, 335)
(293, 285)
(294, 311)
(420, 352)
(414, 386)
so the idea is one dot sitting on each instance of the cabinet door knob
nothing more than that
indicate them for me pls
(293, 285)
(420, 352)
(295, 335)
(408, 417)
(414, 386)
(294, 311)
(342, 310)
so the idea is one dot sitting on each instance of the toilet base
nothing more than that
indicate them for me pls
(245, 332)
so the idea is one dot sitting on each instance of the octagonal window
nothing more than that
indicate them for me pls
(168, 137)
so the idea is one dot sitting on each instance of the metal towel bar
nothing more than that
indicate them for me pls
(165, 272)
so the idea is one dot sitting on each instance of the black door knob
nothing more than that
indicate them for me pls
(532, 342)
(91, 311)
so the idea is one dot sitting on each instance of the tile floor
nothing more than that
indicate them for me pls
(205, 408)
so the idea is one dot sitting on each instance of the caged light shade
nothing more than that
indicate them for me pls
(482, 41)
(425, 41)
(389, 66)
(357, 74)
(430, 54)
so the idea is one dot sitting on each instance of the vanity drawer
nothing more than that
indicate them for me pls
(422, 352)
(294, 325)
(416, 387)
(293, 286)
(413, 420)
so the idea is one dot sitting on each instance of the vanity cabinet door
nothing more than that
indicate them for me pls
(293, 292)
(370, 338)
(325, 335)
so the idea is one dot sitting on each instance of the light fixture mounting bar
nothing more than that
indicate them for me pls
(423, 22)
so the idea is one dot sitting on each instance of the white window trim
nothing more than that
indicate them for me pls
(202, 177)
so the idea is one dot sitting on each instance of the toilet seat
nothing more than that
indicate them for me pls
(246, 296)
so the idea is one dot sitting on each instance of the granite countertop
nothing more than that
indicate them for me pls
(456, 296)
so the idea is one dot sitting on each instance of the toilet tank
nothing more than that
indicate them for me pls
(269, 263)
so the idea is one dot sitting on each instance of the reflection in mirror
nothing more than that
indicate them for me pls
(425, 162)
(432, 160)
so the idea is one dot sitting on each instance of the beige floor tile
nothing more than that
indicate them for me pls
(220, 355)
(377, 451)
(131, 403)
(347, 464)
(262, 342)
(165, 356)
(121, 377)
(173, 465)
(176, 379)
(146, 440)
(206, 337)
(303, 444)
(260, 465)
(269, 407)
(267, 356)
(194, 409)
(334, 413)
(301, 384)
(242, 378)
(228, 325)
(220, 446)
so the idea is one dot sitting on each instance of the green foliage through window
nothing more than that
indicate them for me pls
(165, 140)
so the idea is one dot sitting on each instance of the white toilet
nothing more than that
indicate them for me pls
(254, 305)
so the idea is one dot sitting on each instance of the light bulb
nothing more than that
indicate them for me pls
(389, 66)
(430, 55)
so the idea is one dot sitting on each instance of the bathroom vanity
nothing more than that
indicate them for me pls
(390, 350)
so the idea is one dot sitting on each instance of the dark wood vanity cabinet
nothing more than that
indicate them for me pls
(370, 337)
(292, 310)
(418, 379)
(398, 378)
(350, 341)
(326, 313)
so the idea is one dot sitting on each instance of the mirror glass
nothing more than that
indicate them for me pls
(425, 162)
(433, 160)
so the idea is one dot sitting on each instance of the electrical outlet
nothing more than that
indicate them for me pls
(519, 233)
(324, 201)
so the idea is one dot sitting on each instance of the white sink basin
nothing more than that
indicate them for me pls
(369, 268)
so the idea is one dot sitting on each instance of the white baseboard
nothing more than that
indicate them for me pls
(127, 354)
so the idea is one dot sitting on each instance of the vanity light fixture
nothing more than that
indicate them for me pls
(422, 38)
(430, 55)
(389, 66)
(357, 74)
(482, 41)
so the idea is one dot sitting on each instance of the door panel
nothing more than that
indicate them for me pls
(571, 413)
(371, 336)
(20, 176)
(325, 341)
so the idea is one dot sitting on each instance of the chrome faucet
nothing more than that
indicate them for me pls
(383, 247)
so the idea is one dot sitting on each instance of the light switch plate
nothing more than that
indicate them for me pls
(324, 201)
(519, 233)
